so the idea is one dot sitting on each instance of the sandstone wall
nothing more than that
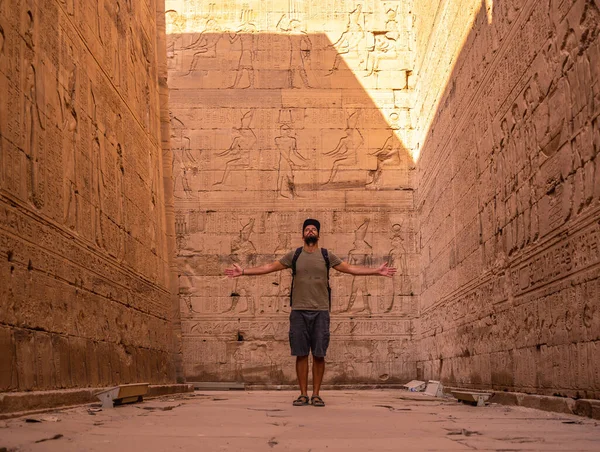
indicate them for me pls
(84, 288)
(281, 110)
(508, 194)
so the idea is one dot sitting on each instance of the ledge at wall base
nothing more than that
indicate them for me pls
(324, 387)
(582, 407)
(14, 404)
(218, 385)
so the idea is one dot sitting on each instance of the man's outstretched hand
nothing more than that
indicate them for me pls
(384, 270)
(234, 272)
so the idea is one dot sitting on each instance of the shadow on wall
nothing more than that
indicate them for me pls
(510, 165)
(288, 106)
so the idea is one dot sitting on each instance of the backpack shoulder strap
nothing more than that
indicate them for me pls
(328, 264)
(326, 257)
(295, 259)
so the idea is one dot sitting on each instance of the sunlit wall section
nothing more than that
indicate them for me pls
(508, 195)
(84, 294)
(281, 110)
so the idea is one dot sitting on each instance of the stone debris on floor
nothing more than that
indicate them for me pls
(353, 420)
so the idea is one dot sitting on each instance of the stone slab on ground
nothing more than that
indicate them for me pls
(375, 420)
(479, 398)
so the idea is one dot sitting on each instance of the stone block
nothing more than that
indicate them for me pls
(61, 361)
(587, 407)
(45, 371)
(8, 367)
(78, 367)
(25, 359)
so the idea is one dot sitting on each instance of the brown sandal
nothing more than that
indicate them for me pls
(317, 401)
(301, 401)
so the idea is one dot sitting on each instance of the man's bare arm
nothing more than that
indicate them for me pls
(236, 270)
(382, 270)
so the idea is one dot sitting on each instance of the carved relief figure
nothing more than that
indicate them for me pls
(243, 251)
(29, 30)
(387, 155)
(246, 36)
(175, 26)
(289, 160)
(384, 48)
(361, 254)
(122, 203)
(70, 124)
(183, 160)
(300, 51)
(98, 185)
(351, 40)
(346, 151)
(397, 259)
(205, 45)
(34, 125)
(238, 153)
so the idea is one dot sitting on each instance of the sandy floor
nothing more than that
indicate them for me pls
(376, 420)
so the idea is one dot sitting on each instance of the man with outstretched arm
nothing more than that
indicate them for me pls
(311, 302)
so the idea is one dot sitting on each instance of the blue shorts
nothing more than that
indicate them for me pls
(309, 331)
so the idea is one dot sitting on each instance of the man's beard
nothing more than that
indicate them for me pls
(311, 239)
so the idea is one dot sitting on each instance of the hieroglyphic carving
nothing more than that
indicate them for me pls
(345, 153)
(238, 153)
(577, 252)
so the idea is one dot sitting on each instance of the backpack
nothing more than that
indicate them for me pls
(295, 258)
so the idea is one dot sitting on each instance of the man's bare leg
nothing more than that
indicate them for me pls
(302, 373)
(318, 369)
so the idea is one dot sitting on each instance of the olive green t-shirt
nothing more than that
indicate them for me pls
(310, 283)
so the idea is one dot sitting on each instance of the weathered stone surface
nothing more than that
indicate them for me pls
(508, 211)
(82, 230)
(455, 140)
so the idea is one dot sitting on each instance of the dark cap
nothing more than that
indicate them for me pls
(313, 222)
